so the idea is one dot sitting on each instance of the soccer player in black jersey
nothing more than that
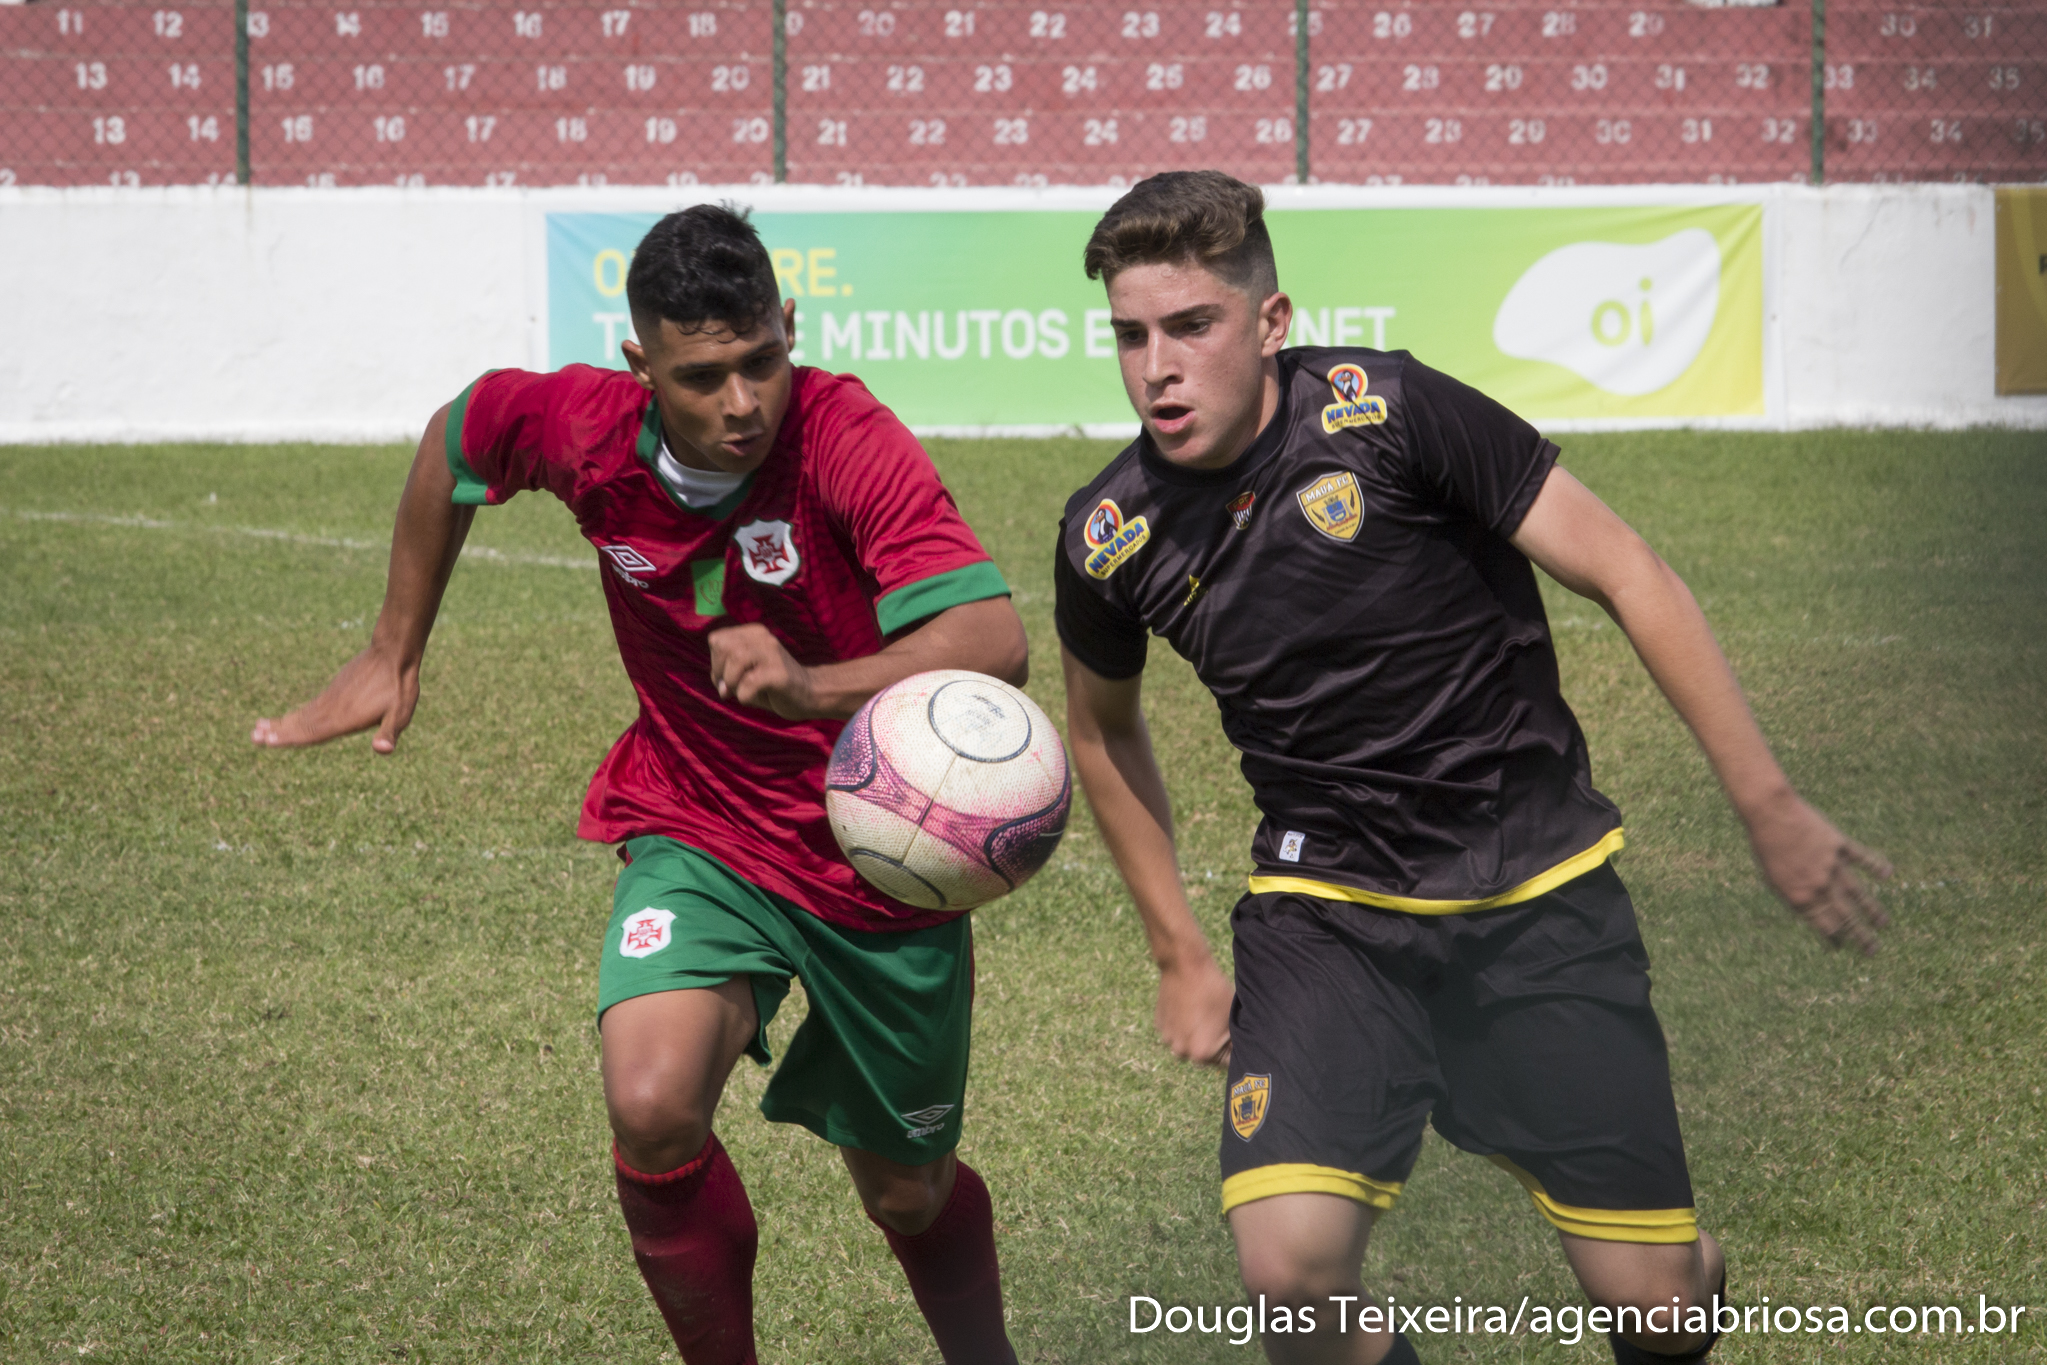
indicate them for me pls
(1340, 541)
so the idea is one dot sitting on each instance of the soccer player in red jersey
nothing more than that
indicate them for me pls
(1343, 542)
(776, 548)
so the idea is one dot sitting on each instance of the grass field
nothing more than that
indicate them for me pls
(297, 1060)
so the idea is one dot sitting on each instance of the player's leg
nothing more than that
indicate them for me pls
(1676, 1282)
(1557, 1070)
(687, 981)
(1308, 1250)
(1331, 1077)
(940, 1223)
(879, 1067)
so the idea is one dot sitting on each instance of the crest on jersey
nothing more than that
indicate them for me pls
(1240, 509)
(1333, 505)
(1353, 406)
(1110, 539)
(767, 551)
(1248, 1101)
(645, 933)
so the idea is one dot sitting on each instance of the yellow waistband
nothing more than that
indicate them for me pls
(1568, 870)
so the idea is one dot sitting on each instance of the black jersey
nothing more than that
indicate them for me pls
(1378, 649)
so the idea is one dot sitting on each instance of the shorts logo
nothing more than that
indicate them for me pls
(767, 549)
(1248, 1100)
(626, 561)
(1353, 406)
(1240, 509)
(1111, 538)
(645, 933)
(1333, 505)
(1290, 846)
(928, 1120)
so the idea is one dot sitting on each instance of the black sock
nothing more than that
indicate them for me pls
(1402, 1352)
(1627, 1353)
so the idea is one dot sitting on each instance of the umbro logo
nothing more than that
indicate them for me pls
(928, 1120)
(625, 561)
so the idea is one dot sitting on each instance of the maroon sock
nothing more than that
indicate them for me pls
(952, 1272)
(695, 1239)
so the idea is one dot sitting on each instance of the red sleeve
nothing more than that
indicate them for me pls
(880, 486)
(514, 430)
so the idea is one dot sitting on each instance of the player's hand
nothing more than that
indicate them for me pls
(1813, 866)
(1193, 1014)
(749, 666)
(371, 690)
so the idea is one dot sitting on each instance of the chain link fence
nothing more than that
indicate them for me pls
(1002, 92)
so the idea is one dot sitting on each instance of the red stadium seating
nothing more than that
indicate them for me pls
(959, 92)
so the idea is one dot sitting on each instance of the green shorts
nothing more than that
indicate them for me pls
(880, 1062)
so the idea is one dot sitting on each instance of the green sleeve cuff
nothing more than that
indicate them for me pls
(914, 602)
(470, 490)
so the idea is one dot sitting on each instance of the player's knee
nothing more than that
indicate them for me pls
(907, 1206)
(657, 1130)
(1293, 1274)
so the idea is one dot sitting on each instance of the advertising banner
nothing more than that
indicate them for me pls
(2021, 290)
(984, 319)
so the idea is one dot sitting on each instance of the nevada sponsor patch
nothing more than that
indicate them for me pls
(1240, 509)
(1333, 505)
(1110, 539)
(645, 933)
(767, 551)
(1248, 1101)
(1353, 406)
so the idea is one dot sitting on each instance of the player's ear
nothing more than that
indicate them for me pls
(789, 323)
(1275, 320)
(636, 361)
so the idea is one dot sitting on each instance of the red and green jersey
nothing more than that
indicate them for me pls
(843, 536)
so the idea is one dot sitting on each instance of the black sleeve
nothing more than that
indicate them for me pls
(1096, 630)
(1471, 451)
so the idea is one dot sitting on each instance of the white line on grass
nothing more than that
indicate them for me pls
(481, 552)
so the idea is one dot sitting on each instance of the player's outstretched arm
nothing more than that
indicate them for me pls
(1579, 542)
(1112, 751)
(749, 665)
(380, 686)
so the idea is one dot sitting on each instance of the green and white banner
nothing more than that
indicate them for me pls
(984, 319)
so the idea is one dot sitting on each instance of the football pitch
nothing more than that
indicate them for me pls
(297, 1057)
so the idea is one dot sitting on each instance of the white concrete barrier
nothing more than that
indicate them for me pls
(350, 315)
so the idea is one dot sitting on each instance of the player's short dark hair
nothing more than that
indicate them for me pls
(703, 269)
(1206, 217)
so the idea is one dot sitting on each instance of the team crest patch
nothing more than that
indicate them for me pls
(1353, 406)
(645, 933)
(1240, 509)
(767, 550)
(1112, 539)
(1248, 1100)
(1333, 505)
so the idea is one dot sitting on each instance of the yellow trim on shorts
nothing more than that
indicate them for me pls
(1607, 1225)
(1570, 869)
(1263, 1182)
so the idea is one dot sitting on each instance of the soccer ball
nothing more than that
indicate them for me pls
(948, 789)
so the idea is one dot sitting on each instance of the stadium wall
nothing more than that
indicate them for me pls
(349, 315)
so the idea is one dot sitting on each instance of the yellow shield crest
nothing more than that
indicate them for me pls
(1333, 505)
(1248, 1099)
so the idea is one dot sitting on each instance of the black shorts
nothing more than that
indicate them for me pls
(1524, 1034)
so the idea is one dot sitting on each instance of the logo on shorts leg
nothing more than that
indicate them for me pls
(928, 1120)
(1248, 1100)
(645, 933)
